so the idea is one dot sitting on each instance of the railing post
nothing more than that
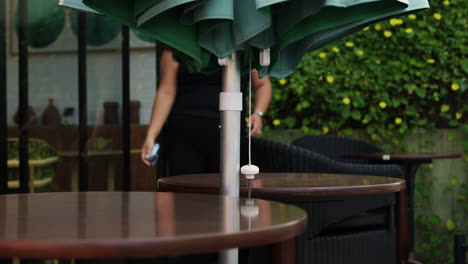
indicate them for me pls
(460, 249)
(82, 104)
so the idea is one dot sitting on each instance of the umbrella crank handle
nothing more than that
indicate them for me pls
(265, 57)
(249, 171)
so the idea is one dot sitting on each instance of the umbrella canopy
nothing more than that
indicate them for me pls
(290, 28)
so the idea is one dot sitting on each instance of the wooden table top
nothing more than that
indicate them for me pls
(287, 184)
(419, 157)
(138, 224)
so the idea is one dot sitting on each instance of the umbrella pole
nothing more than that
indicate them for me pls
(230, 105)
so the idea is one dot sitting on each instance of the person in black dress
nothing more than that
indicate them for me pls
(189, 102)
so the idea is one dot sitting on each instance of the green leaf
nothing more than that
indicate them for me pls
(290, 121)
(356, 115)
(450, 225)
(444, 108)
(451, 135)
(453, 180)
(421, 92)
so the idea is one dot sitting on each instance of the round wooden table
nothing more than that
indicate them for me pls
(96, 225)
(301, 188)
(267, 185)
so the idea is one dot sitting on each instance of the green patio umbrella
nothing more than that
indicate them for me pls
(290, 28)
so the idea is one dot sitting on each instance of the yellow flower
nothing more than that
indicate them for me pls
(366, 28)
(335, 49)
(325, 130)
(387, 33)
(444, 108)
(396, 21)
(346, 100)
(349, 44)
(276, 122)
(446, 3)
(455, 86)
(378, 27)
(322, 55)
(359, 52)
(412, 17)
(398, 120)
(383, 104)
(330, 79)
(458, 115)
(365, 121)
(247, 120)
(283, 81)
(409, 31)
(437, 16)
(430, 61)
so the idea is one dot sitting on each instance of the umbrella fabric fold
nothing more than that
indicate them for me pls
(200, 29)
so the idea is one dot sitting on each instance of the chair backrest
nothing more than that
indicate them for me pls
(273, 156)
(334, 147)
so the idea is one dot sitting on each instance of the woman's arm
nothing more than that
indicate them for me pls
(163, 101)
(262, 89)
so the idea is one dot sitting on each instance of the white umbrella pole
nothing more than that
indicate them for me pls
(230, 105)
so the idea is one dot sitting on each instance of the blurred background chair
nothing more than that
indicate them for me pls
(43, 163)
(353, 229)
(333, 147)
(272, 156)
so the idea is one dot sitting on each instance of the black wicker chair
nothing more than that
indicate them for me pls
(353, 229)
(334, 147)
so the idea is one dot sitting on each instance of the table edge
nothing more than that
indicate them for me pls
(266, 192)
(149, 248)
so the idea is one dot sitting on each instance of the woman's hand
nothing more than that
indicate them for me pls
(257, 124)
(162, 104)
(146, 150)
